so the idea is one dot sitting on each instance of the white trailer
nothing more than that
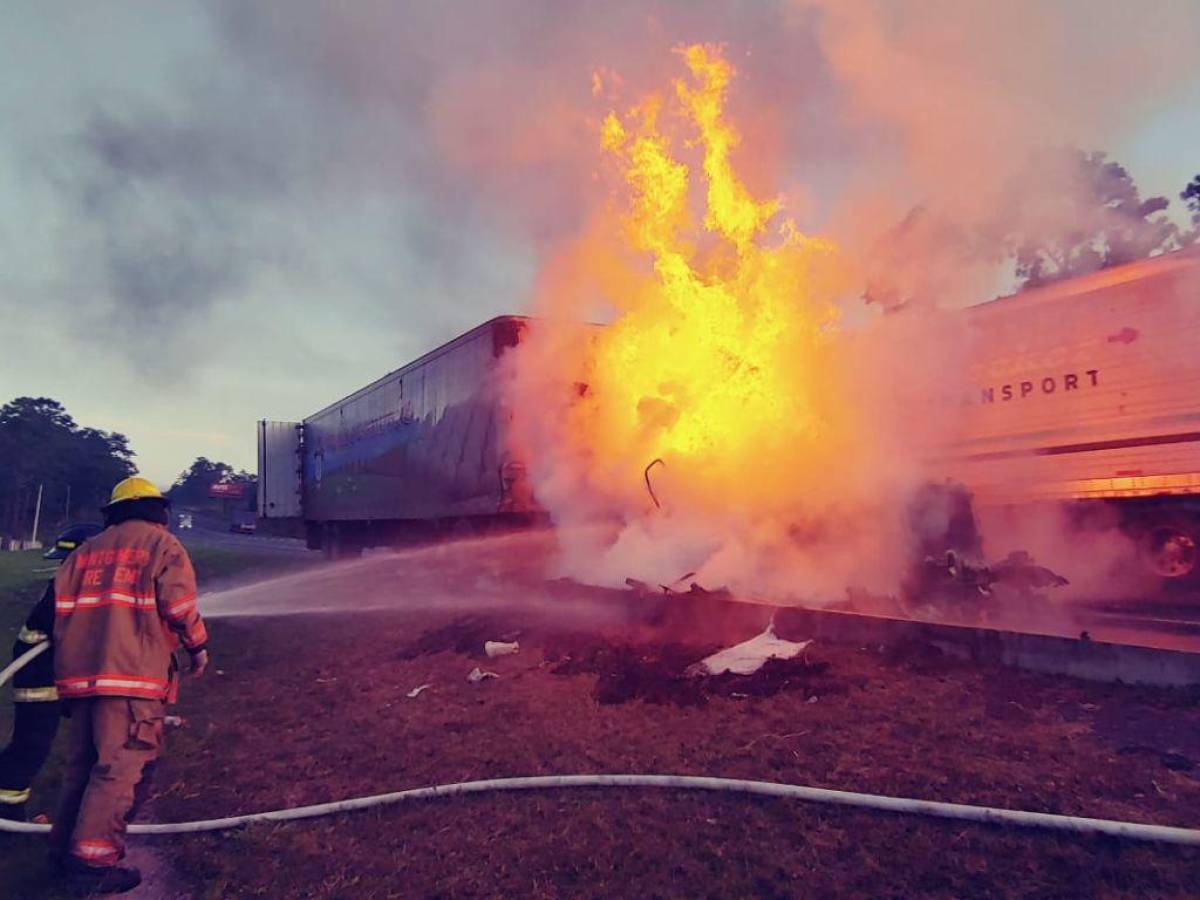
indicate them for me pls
(1089, 390)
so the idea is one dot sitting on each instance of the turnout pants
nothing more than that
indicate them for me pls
(111, 741)
(34, 725)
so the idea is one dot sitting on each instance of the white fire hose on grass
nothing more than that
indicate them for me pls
(22, 661)
(983, 814)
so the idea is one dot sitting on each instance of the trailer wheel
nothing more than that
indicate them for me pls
(340, 542)
(312, 535)
(329, 542)
(461, 528)
(1169, 548)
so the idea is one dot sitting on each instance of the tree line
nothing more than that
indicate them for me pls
(1100, 218)
(75, 467)
(1066, 213)
(43, 448)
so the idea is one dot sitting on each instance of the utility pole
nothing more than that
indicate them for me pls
(67, 511)
(37, 515)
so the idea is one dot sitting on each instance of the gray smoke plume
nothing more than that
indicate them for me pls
(305, 194)
(453, 139)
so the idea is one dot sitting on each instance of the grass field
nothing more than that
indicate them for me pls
(313, 708)
(18, 578)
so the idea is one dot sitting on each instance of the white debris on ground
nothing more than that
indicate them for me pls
(749, 656)
(500, 648)
(416, 692)
(477, 675)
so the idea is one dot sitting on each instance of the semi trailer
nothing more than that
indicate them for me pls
(1086, 391)
(422, 451)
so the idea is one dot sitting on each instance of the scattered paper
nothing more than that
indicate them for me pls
(416, 692)
(500, 648)
(748, 657)
(477, 675)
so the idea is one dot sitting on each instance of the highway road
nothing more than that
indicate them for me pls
(211, 532)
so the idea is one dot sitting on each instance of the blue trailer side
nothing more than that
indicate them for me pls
(420, 451)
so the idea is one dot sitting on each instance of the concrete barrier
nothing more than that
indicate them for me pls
(717, 617)
(1075, 657)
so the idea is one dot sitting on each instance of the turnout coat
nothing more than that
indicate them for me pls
(124, 602)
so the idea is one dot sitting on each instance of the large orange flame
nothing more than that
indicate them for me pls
(715, 361)
(722, 359)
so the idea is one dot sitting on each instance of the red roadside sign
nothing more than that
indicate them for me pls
(227, 490)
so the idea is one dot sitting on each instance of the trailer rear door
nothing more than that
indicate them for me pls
(279, 467)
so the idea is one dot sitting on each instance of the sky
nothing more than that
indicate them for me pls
(216, 212)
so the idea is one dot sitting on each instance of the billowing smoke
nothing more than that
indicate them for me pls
(722, 424)
(466, 135)
(954, 104)
(819, 509)
(163, 216)
(1093, 554)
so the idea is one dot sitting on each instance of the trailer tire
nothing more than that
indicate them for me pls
(340, 542)
(313, 534)
(1170, 548)
(462, 528)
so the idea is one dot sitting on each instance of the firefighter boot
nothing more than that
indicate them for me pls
(86, 880)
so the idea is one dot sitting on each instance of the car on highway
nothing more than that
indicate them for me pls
(244, 521)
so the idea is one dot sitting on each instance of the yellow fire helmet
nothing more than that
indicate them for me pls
(134, 488)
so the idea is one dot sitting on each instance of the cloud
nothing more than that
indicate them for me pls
(173, 209)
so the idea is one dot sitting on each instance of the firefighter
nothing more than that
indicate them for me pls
(35, 699)
(123, 605)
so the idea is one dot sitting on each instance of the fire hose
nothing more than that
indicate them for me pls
(983, 814)
(21, 661)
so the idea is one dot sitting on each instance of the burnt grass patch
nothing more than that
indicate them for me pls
(663, 674)
(652, 672)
